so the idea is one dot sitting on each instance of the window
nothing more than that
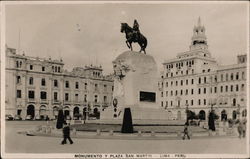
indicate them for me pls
(31, 94)
(176, 83)
(199, 102)
(18, 79)
(243, 75)
(221, 76)
(55, 83)
(59, 69)
(237, 76)
(85, 97)
(205, 102)
(55, 96)
(226, 88)
(215, 78)
(205, 80)
(161, 103)
(187, 72)
(96, 97)
(161, 94)
(43, 95)
(19, 94)
(199, 91)
(31, 82)
(166, 84)
(112, 88)
(232, 88)
(192, 102)
(176, 92)
(43, 68)
(237, 87)
(76, 97)
(66, 84)
(43, 82)
(171, 93)
(232, 76)
(171, 103)
(221, 89)
(181, 82)
(242, 87)
(105, 87)
(199, 80)
(181, 92)
(104, 99)
(171, 83)
(192, 81)
(192, 91)
(31, 67)
(86, 85)
(77, 85)
(215, 89)
(226, 77)
(187, 82)
(55, 69)
(166, 93)
(166, 103)
(204, 91)
(96, 87)
(66, 96)
(186, 91)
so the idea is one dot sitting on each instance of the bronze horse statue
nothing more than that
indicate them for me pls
(131, 36)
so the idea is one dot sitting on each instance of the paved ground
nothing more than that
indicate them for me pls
(19, 143)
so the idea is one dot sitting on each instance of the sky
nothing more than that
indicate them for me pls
(84, 34)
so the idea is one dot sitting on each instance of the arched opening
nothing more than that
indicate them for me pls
(42, 112)
(76, 113)
(179, 115)
(66, 112)
(223, 115)
(31, 111)
(234, 114)
(55, 111)
(84, 113)
(96, 113)
(202, 115)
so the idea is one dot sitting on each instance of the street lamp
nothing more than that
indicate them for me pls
(187, 112)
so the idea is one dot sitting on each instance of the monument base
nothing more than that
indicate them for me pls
(139, 113)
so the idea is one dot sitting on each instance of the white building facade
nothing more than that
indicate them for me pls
(195, 81)
(37, 87)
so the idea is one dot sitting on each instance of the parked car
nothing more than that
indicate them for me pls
(8, 117)
(17, 117)
(28, 117)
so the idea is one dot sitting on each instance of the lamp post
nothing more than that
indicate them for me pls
(187, 110)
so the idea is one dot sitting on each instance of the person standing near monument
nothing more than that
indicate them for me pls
(66, 134)
(186, 132)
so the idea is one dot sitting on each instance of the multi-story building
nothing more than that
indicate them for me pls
(195, 81)
(37, 87)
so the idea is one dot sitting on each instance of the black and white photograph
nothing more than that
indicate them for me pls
(123, 79)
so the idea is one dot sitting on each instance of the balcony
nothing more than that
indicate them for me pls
(31, 100)
(67, 102)
(44, 101)
(56, 101)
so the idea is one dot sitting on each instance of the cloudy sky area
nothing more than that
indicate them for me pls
(90, 33)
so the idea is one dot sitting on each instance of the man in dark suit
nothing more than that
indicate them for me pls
(66, 134)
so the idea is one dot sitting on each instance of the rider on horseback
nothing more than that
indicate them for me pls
(136, 31)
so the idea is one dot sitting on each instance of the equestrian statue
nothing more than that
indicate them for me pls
(134, 35)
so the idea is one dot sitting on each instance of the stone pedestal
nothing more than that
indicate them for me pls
(135, 87)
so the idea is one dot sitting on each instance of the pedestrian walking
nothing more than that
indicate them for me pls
(244, 122)
(186, 132)
(66, 134)
(240, 128)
